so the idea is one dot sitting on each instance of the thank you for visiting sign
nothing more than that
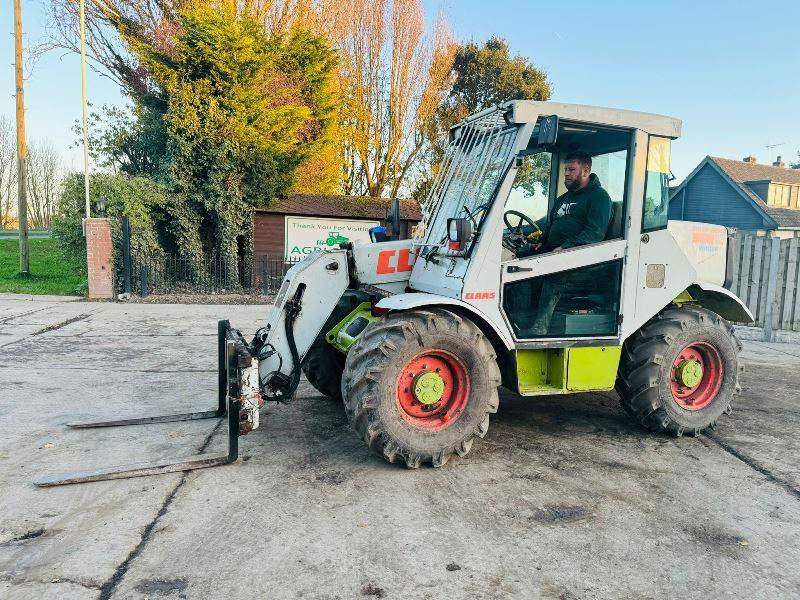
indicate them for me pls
(306, 234)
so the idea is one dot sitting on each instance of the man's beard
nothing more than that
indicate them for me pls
(573, 185)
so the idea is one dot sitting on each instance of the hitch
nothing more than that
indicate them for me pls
(238, 398)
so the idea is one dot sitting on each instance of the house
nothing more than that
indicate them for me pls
(756, 198)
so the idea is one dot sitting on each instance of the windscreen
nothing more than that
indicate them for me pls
(473, 164)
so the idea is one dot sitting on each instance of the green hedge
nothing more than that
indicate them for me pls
(140, 199)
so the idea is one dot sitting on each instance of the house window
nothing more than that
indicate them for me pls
(779, 195)
(795, 196)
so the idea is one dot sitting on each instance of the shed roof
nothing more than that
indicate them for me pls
(352, 207)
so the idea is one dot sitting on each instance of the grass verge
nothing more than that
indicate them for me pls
(50, 272)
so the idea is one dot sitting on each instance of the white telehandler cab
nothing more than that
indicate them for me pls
(415, 336)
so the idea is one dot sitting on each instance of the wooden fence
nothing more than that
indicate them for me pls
(766, 277)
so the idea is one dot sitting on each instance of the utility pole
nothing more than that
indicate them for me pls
(22, 148)
(84, 104)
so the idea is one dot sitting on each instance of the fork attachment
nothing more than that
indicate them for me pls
(238, 398)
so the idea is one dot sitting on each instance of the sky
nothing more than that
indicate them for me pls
(727, 68)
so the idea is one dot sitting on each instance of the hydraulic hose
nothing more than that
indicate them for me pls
(287, 385)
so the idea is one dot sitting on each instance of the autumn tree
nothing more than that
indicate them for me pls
(8, 172)
(483, 75)
(393, 75)
(117, 33)
(45, 175)
(244, 109)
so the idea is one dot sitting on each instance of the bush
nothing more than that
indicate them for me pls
(140, 199)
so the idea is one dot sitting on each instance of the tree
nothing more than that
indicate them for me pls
(488, 75)
(393, 77)
(44, 181)
(8, 173)
(797, 164)
(129, 140)
(483, 76)
(244, 110)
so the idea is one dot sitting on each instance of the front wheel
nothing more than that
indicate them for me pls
(419, 385)
(679, 373)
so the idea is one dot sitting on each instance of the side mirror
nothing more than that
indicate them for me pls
(459, 234)
(548, 131)
(393, 219)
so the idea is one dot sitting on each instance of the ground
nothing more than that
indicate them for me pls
(50, 272)
(565, 498)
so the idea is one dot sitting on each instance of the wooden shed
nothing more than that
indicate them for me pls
(295, 226)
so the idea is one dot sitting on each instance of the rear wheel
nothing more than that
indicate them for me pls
(323, 364)
(419, 386)
(679, 373)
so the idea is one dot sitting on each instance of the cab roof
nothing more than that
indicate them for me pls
(528, 111)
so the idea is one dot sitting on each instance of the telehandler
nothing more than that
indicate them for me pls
(416, 335)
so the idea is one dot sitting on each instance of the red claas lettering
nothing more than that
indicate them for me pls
(403, 264)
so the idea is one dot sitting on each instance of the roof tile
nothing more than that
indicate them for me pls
(321, 205)
(741, 172)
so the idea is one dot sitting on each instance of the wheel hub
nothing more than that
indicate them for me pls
(428, 388)
(690, 373)
(696, 376)
(432, 389)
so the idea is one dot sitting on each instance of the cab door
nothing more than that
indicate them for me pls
(573, 297)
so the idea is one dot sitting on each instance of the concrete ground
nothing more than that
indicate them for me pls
(565, 498)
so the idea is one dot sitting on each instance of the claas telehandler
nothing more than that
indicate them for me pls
(416, 335)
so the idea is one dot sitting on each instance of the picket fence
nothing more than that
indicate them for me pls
(766, 276)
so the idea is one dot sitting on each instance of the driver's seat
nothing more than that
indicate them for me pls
(614, 230)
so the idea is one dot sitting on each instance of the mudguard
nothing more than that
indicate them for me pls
(419, 300)
(722, 301)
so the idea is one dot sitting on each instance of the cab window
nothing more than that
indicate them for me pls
(540, 178)
(656, 191)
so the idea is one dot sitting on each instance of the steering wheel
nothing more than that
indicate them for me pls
(515, 239)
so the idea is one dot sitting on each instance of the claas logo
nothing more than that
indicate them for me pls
(394, 261)
(480, 296)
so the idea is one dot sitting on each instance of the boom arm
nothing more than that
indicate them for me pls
(305, 301)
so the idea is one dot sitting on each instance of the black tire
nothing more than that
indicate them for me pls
(646, 367)
(370, 385)
(323, 364)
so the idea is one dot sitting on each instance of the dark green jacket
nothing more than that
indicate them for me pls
(579, 217)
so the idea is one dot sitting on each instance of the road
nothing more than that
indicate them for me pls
(565, 498)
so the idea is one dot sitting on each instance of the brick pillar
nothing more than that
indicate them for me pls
(99, 258)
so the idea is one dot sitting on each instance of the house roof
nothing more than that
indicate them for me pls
(320, 205)
(741, 173)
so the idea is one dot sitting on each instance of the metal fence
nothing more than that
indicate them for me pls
(766, 276)
(211, 274)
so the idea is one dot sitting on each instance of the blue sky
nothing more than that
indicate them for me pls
(728, 69)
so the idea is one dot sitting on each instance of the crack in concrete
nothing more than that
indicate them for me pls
(52, 327)
(60, 324)
(753, 464)
(20, 315)
(23, 580)
(109, 587)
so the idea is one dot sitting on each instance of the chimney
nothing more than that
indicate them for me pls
(750, 159)
(779, 163)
